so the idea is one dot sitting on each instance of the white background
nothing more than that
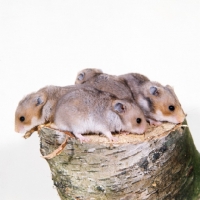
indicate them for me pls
(44, 42)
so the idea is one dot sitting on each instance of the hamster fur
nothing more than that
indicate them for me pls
(38, 107)
(86, 74)
(90, 110)
(104, 82)
(159, 103)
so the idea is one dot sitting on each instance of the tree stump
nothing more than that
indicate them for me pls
(162, 164)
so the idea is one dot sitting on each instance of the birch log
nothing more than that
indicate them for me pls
(162, 164)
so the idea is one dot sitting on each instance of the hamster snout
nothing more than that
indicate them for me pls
(176, 117)
(23, 127)
(134, 119)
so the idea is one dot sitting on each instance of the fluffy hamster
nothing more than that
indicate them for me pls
(90, 110)
(104, 82)
(158, 102)
(37, 108)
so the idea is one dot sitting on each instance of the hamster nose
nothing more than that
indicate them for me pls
(142, 129)
(16, 129)
(180, 120)
(19, 129)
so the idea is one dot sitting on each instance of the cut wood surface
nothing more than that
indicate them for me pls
(162, 164)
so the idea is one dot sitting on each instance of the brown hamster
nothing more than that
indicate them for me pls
(37, 108)
(90, 110)
(159, 103)
(104, 82)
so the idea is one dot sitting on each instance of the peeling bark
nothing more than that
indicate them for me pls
(163, 164)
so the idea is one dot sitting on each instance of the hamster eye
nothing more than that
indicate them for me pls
(172, 108)
(138, 120)
(22, 118)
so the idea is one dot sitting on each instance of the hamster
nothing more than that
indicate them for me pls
(38, 107)
(105, 82)
(159, 103)
(90, 110)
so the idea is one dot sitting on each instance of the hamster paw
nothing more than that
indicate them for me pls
(82, 138)
(124, 132)
(110, 136)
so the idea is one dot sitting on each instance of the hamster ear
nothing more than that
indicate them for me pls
(40, 99)
(154, 90)
(119, 107)
(81, 76)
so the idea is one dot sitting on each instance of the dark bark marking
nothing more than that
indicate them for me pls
(144, 163)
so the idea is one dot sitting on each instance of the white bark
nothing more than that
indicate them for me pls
(157, 165)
